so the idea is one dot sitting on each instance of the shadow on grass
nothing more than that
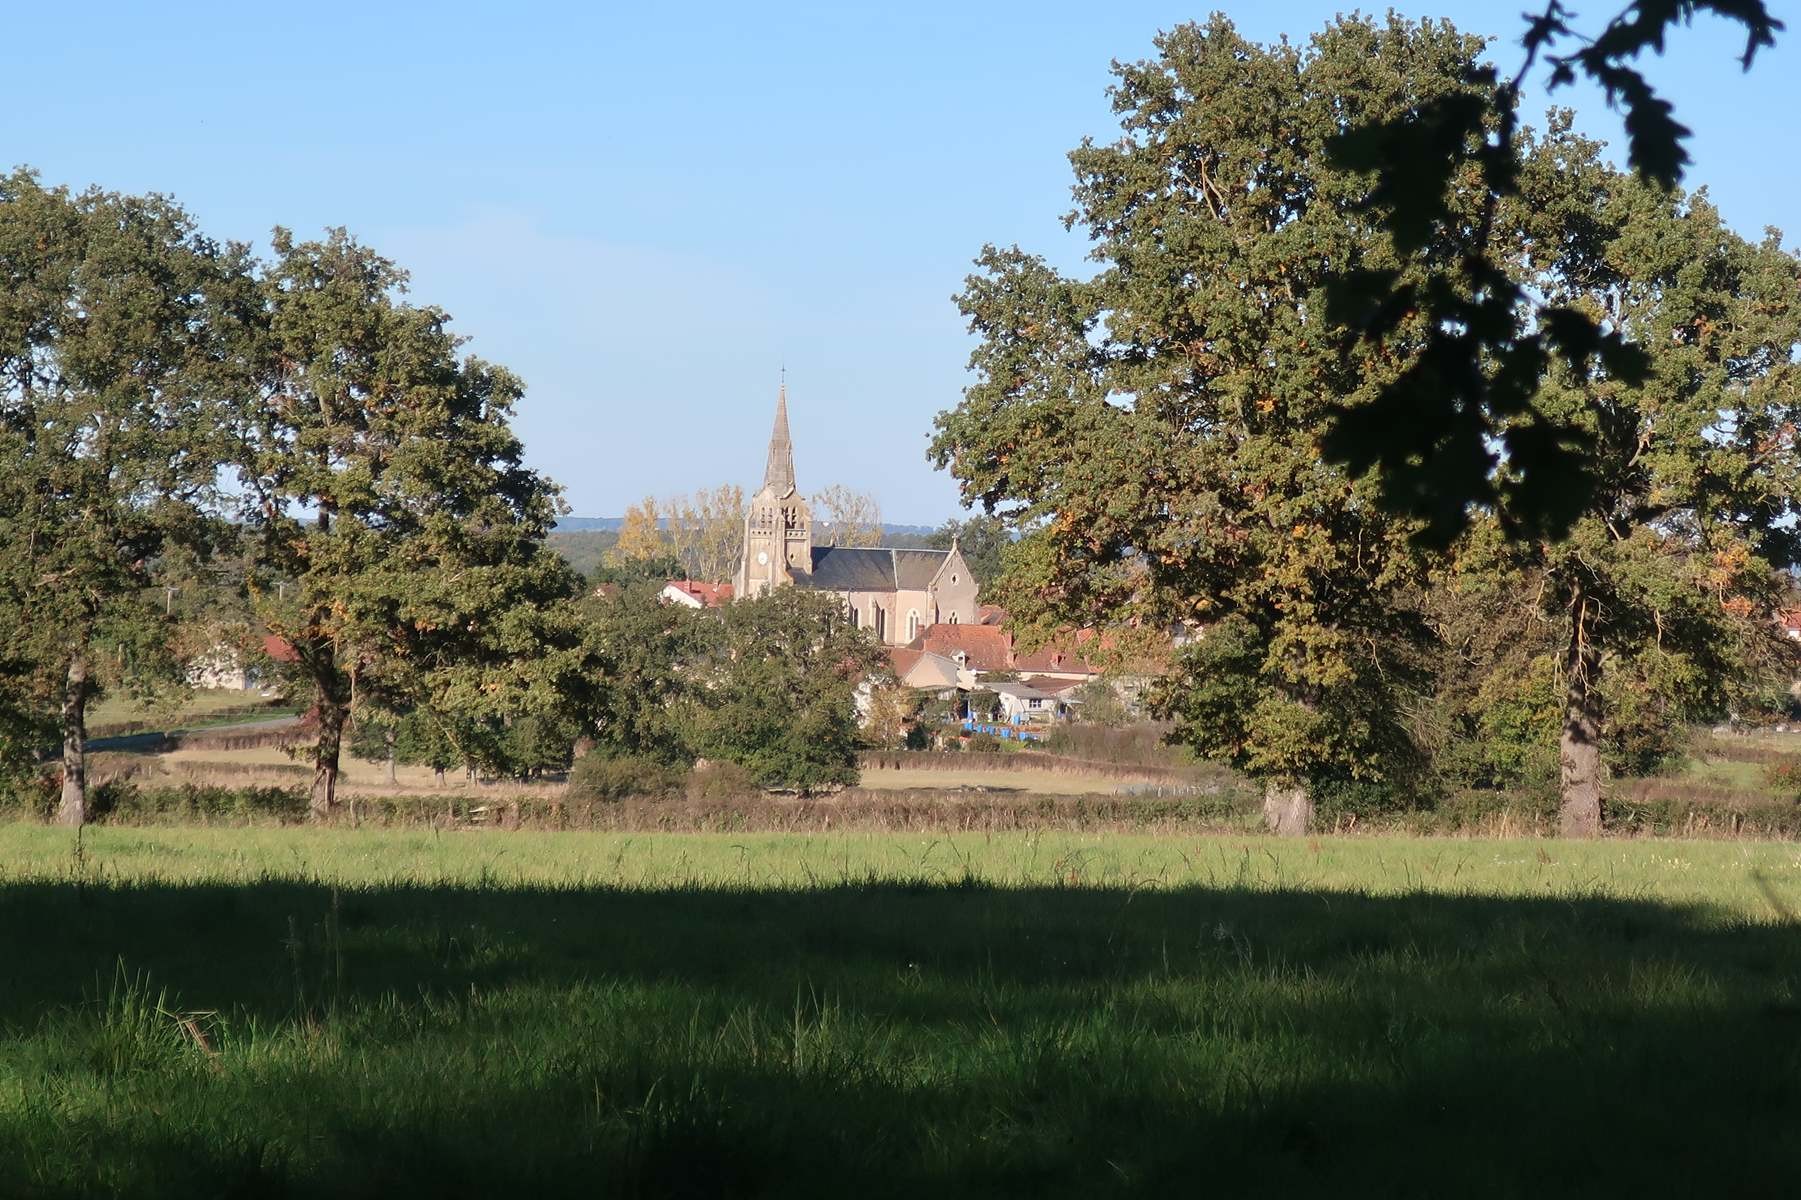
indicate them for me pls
(888, 1039)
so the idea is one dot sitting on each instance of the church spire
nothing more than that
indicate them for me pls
(778, 476)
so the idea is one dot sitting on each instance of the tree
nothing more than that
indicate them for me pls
(1098, 702)
(894, 712)
(645, 651)
(640, 536)
(768, 684)
(1151, 431)
(778, 689)
(1665, 589)
(706, 531)
(982, 539)
(1460, 430)
(854, 518)
(111, 376)
(380, 476)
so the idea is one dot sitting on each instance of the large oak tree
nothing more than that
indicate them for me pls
(1152, 430)
(1664, 592)
(113, 382)
(397, 538)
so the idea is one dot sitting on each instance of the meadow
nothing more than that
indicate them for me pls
(265, 1011)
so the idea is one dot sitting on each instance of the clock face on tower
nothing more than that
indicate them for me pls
(762, 558)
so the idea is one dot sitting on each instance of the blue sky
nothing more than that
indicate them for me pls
(647, 210)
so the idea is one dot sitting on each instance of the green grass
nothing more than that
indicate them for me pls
(192, 709)
(351, 1013)
(1725, 772)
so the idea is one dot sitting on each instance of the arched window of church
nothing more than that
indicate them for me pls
(852, 610)
(881, 623)
(912, 623)
(953, 618)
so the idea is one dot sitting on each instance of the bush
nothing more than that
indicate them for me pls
(601, 775)
(1098, 703)
(1137, 745)
(983, 743)
(1783, 777)
(720, 781)
(1339, 799)
(121, 801)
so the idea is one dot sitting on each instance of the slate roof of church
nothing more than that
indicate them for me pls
(874, 568)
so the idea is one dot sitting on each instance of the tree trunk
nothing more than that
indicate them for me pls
(1579, 748)
(325, 755)
(387, 738)
(74, 807)
(1287, 807)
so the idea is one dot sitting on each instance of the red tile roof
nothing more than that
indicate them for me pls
(984, 647)
(710, 595)
(1058, 658)
(903, 660)
(278, 649)
(990, 614)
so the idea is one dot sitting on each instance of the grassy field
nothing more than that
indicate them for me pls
(1043, 783)
(278, 764)
(360, 774)
(195, 707)
(215, 1012)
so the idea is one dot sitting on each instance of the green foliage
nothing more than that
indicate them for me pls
(538, 744)
(1783, 777)
(1139, 744)
(648, 653)
(982, 743)
(982, 540)
(626, 572)
(382, 478)
(603, 775)
(1461, 427)
(113, 382)
(125, 802)
(781, 678)
(1201, 346)
(1655, 379)
(585, 550)
(1098, 703)
(769, 684)
(719, 781)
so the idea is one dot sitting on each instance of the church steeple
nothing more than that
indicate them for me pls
(778, 475)
(778, 524)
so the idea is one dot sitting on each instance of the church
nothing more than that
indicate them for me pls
(898, 593)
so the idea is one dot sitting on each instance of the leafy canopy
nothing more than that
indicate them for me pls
(1460, 429)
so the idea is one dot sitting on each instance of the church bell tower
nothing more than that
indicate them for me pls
(778, 527)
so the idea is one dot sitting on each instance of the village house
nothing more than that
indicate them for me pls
(223, 667)
(696, 593)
